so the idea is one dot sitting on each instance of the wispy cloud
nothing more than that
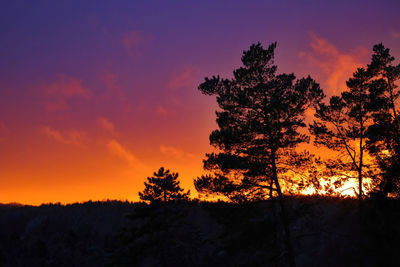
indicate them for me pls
(175, 152)
(335, 66)
(106, 124)
(57, 105)
(111, 82)
(132, 42)
(3, 130)
(118, 150)
(160, 110)
(114, 90)
(182, 78)
(66, 86)
(61, 90)
(395, 34)
(70, 137)
(3, 127)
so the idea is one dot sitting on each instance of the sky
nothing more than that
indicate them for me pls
(97, 95)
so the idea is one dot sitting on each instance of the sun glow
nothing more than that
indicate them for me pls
(337, 186)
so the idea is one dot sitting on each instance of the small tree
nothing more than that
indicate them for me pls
(163, 187)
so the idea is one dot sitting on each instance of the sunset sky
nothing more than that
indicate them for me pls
(96, 95)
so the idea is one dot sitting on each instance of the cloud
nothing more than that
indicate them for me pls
(106, 124)
(160, 110)
(71, 137)
(66, 86)
(184, 78)
(116, 149)
(114, 90)
(335, 66)
(3, 130)
(395, 34)
(57, 105)
(3, 127)
(111, 82)
(175, 152)
(132, 42)
(63, 89)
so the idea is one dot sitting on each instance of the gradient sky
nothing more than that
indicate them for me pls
(96, 95)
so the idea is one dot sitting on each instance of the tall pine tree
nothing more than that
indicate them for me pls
(342, 126)
(260, 118)
(384, 141)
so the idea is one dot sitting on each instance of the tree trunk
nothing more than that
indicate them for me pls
(360, 190)
(165, 193)
(393, 106)
(360, 212)
(275, 216)
(284, 217)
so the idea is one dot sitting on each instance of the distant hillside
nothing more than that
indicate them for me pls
(325, 233)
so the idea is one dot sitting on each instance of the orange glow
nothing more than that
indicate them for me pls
(349, 188)
(74, 138)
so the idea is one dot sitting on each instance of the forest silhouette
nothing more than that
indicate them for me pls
(255, 179)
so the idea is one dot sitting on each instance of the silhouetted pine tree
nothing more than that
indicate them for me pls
(342, 125)
(384, 135)
(163, 187)
(259, 122)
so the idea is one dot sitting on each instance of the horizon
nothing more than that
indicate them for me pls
(94, 98)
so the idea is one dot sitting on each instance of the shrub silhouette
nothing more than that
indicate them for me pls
(163, 187)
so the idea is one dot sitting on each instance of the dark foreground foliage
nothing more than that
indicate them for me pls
(198, 234)
(57, 235)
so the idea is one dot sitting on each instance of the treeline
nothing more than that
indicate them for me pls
(193, 233)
